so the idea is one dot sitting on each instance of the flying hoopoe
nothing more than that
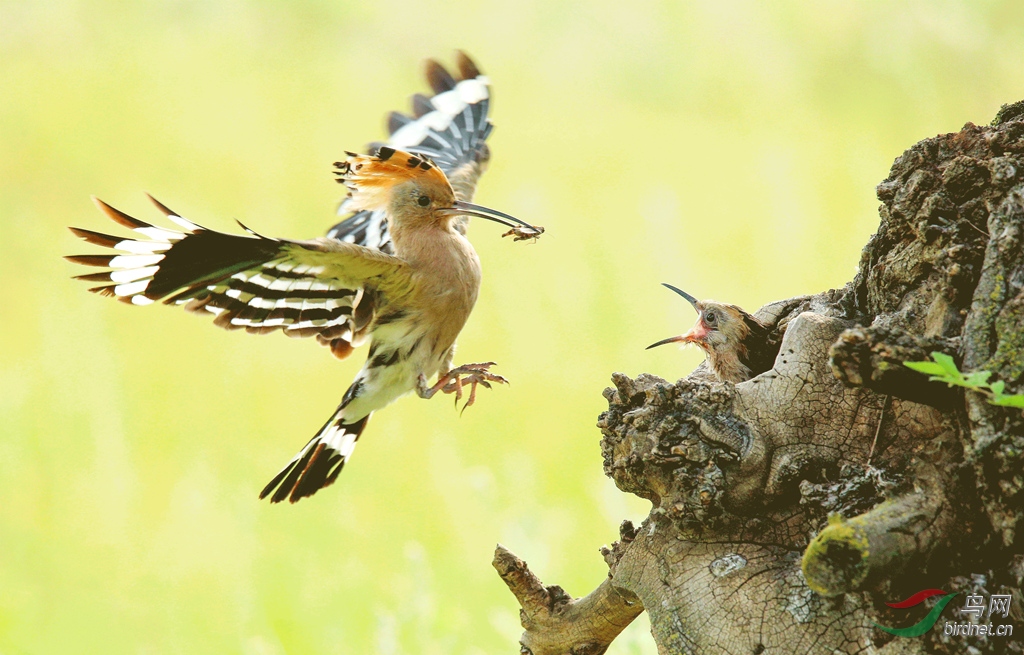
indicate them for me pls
(450, 129)
(411, 300)
(737, 345)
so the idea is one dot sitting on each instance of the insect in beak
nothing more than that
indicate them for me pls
(521, 229)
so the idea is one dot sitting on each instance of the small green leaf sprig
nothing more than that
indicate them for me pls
(944, 369)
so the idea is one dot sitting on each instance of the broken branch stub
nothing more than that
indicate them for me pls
(557, 624)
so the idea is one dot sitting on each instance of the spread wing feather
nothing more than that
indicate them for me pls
(451, 128)
(261, 284)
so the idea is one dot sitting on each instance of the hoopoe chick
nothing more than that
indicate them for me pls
(422, 294)
(737, 345)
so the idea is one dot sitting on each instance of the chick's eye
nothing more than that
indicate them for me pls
(710, 318)
(423, 201)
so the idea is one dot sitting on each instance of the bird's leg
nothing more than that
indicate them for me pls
(449, 386)
(448, 364)
(453, 379)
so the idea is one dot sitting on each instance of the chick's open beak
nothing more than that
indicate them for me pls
(681, 338)
(696, 333)
(690, 299)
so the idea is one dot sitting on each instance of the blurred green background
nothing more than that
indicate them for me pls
(731, 148)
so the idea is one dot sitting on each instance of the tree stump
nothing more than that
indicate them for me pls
(787, 510)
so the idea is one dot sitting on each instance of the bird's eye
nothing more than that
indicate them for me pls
(710, 317)
(423, 201)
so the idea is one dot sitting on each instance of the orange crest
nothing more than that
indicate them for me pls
(370, 178)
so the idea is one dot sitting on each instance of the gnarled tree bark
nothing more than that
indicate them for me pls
(788, 509)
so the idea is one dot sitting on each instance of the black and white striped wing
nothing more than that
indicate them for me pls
(450, 128)
(246, 281)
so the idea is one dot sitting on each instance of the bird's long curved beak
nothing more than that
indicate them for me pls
(682, 338)
(690, 299)
(522, 228)
(696, 335)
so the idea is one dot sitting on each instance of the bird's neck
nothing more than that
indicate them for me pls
(443, 261)
(427, 244)
(728, 365)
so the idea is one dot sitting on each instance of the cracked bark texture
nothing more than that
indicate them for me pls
(788, 509)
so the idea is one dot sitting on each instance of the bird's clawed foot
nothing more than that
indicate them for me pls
(453, 381)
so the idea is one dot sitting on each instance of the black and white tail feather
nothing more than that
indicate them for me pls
(319, 462)
(450, 128)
